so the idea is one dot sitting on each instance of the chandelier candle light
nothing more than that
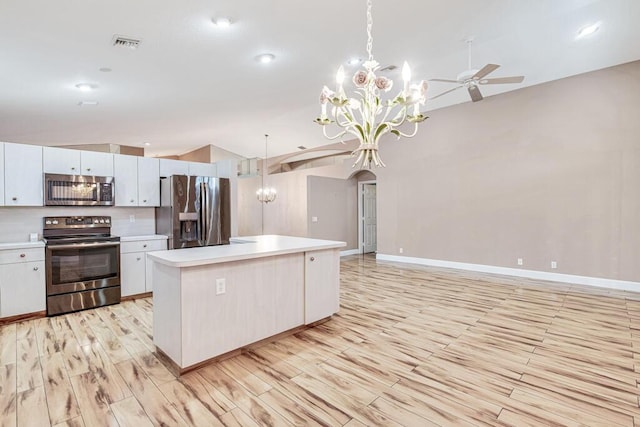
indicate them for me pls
(369, 117)
(265, 194)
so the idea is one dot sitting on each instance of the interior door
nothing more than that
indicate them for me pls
(369, 225)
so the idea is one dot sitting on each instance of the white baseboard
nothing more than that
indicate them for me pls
(350, 252)
(530, 274)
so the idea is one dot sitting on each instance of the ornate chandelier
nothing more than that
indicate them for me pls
(265, 194)
(369, 117)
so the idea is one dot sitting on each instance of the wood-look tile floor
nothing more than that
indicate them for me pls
(411, 346)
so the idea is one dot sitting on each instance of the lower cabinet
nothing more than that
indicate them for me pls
(135, 276)
(322, 284)
(22, 282)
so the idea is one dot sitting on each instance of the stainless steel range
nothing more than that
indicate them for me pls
(82, 262)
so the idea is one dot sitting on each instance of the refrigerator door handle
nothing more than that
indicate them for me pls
(204, 212)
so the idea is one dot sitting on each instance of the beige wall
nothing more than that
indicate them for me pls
(546, 173)
(333, 201)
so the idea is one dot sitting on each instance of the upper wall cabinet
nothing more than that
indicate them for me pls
(22, 175)
(75, 162)
(137, 180)
(170, 167)
(1, 173)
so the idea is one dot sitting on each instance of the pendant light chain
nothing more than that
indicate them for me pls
(369, 27)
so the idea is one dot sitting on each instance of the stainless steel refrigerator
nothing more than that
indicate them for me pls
(194, 211)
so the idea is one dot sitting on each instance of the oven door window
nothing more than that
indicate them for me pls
(84, 264)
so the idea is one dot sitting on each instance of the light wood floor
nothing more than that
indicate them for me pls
(411, 346)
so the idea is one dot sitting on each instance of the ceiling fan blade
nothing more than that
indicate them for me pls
(446, 92)
(501, 80)
(484, 71)
(443, 80)
(475, 94)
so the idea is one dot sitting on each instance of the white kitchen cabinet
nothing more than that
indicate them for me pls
(22, 175)
(77, 162)
(322, 284)
(170, 167)
(1, 173)
(135, 275)
(96, 163)
(61, 160)
(148, 181)
(203, 169)
(125, 173)
(22, 281)
(137, 180)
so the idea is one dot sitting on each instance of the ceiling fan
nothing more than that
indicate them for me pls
(472, 78)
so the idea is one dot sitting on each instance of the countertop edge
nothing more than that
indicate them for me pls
(313, 245)
(21, 245)
(143, 237)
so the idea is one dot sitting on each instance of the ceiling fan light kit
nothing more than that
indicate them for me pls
(472, 78)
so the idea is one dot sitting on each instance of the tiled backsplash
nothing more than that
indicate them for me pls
(17, 223)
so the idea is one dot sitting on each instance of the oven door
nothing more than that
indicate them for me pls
(81, 266)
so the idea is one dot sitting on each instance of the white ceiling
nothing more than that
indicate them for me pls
(190, 83)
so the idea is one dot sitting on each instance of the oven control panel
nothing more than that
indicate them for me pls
(76, 221)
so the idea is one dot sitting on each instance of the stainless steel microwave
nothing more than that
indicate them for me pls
(78, 190)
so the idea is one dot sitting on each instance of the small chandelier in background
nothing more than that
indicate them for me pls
(369, 117)
(265, 194)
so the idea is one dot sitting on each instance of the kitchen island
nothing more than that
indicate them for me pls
(212, 300)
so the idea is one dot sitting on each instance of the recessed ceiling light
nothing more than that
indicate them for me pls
(147, 144)
(588, 30)
(354, 61)
(87, 103)
(105, 69)
(265, 58)
(86, 87)
(222, 22)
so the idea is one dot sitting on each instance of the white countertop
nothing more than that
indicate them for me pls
(145, 237)
(22, 245)
(241, 248)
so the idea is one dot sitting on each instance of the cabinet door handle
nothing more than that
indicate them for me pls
(131, 200)
(144, 246)
(312, 259)
(35, 268)
(14, 198)
(144, 201)
(88, 169)
(138, 258)
(73, 168)
(23, 255)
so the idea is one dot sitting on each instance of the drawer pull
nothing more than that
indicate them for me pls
(138, 258)
(88, 169)
(144, 246)
(312, 258)
(23, 255)
(35, 268)
(131, 200)
(144, 201)
(73, 168)
(14, 198)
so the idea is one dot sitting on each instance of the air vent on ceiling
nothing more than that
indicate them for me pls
(128, 42)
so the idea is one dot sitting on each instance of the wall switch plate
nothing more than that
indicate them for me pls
(520, 261)
(221, 286)
(554, 264)
(314, 219)
(401, 250)
(132, 218)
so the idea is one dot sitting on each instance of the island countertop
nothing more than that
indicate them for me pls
(241, 248)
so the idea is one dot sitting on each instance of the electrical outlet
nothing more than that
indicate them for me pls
(132, 218)
(520, 261)
(554, 264)
(401, 250)
(221, 286)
